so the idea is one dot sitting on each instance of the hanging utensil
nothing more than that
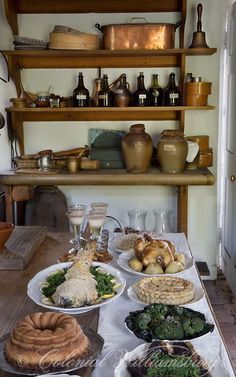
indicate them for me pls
(199, 37)
(2, 120)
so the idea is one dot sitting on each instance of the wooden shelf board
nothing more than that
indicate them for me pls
(111, 177)
(98, 113)
(101, 6)
(100, 58)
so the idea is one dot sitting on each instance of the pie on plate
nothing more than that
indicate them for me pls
(169, 290)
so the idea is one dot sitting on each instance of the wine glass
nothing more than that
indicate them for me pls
(76, 208)
(96, 220)
(102, 239)
(99, 206)
(76, 218)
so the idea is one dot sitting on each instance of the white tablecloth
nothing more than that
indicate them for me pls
(119, 340)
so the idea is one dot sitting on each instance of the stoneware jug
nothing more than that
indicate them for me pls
(172, 150)
(137, 149)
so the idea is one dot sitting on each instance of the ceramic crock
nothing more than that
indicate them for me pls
(172, 150)
(137, 149)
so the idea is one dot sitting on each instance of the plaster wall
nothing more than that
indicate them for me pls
(203, 237)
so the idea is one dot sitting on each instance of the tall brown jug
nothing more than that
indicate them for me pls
(137, 149)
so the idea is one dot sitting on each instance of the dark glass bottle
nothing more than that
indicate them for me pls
(140, 97)
(155, 92)
(105, 95)
(81, 94)
(172, 92)
(122, 95)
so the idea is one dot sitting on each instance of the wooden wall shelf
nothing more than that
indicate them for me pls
(98, 113)
(101, 58)
(111, 177)
(101, 6)
(49, 59)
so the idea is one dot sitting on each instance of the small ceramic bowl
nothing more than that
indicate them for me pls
(6, 230)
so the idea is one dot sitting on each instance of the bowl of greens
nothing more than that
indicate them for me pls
(168, 322)
(175, 359)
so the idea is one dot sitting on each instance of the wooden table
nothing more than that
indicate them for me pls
(14, 303)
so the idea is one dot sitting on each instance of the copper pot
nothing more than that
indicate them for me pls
(138, 36)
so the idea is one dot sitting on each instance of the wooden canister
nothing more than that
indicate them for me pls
(202, 140)
(206, 158)
(18, 102)
(196, 93)
(73, 164)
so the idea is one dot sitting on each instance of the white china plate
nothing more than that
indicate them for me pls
(56, 375)
(124, 259)
(184, 340)
(199, 294)
(33, 288)
(96, 345)
(215, 365)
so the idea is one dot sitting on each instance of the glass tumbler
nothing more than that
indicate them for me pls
(137, 219)
(163, 221)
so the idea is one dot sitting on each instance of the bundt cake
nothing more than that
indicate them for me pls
(46, 341)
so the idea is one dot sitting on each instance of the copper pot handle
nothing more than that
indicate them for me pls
(178, 24)
(98, 26)
(137, 18)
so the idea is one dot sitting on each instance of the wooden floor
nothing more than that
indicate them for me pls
(224, 306)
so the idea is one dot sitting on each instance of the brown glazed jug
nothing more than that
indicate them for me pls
(137, 149)
(172, 150)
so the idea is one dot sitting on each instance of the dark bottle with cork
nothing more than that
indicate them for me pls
(105, 95)
(81, 94)
(172, 93)
(155, 92)
(140, 97)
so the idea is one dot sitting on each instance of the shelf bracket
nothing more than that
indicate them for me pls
(182, 26)
(182, 221)
(9, 204)
(17, 125)
(15, 73)
(11, 15)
